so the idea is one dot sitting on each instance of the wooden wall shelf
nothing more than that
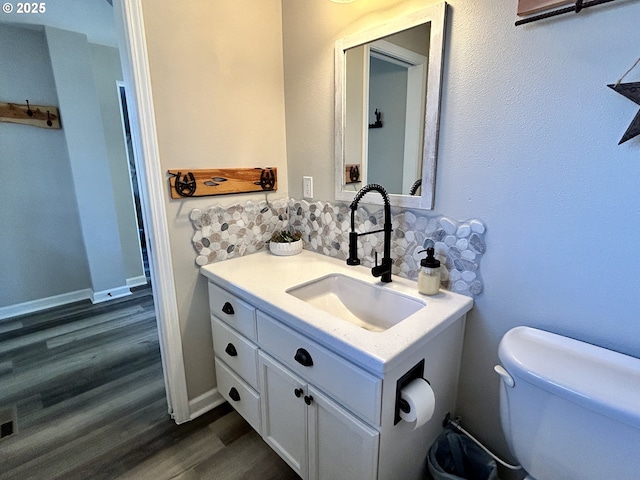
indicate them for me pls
(221, 181)
(36, 115)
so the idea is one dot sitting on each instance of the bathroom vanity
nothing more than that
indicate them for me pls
(314, 353)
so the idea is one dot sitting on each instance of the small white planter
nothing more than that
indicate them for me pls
(285, 249)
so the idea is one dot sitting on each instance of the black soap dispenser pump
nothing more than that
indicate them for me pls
(429, 276)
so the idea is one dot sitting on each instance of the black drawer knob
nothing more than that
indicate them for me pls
(233, 393)
(227, 308)
(303, 357)
(308, 399)
(231, 350)
(298, 392)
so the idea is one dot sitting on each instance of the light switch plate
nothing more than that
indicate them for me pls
(307, 187)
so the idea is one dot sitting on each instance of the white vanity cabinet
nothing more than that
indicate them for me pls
(323, 392)
(233, 324)
(315, 435)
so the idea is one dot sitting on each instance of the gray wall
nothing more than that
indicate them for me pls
(45, 243)
(528, 143)
(42, 252)
(105, 63)
(388, 94)
(218, 100)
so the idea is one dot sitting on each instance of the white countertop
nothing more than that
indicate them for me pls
(263, 278)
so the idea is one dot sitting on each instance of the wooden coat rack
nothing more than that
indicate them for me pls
(186, 183)
(36, 115)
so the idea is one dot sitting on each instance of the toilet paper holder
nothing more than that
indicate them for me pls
(417, 371)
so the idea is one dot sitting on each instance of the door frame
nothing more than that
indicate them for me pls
(128, 15)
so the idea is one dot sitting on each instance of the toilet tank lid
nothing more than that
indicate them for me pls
(602, 380)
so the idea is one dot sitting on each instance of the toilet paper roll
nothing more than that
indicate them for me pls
(421, 400)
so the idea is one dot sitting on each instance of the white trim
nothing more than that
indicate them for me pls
(436, 15)
(366, 93)
(110, 294)
(131, 33)
(390, 52)
(33, 306)
(136, 281)
(205, 402)
(121, 87)
(44, 303)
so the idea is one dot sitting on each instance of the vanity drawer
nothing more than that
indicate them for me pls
(237, 352)
(356, 389)
(229, 308)
(244, 399)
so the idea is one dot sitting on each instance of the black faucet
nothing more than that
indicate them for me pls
(384, 269)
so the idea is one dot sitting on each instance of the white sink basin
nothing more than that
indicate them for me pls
(372, 307)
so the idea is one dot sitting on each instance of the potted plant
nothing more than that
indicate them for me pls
(285, 242)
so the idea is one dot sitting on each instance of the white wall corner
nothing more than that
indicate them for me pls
(204, 403)
(136, 281)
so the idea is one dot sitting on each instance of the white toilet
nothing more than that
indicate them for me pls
(569, 410)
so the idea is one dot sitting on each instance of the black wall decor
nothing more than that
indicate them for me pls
(632, 92)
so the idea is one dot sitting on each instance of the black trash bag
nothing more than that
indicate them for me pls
(454, 456)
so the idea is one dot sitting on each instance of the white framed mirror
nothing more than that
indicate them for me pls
(387, 106)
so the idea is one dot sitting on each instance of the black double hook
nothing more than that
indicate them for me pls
(31, 114)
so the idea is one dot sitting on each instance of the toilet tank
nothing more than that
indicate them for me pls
(573, 411)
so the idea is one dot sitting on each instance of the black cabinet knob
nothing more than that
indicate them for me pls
(303, 357)
(298, 392)
(308, 399)
(233, 393)
(227, 308)
(231, 350)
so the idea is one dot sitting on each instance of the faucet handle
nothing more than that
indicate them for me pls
(383, 270)
(353, 249)
(376, 257)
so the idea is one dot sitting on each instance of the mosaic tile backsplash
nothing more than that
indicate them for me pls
(227, 232)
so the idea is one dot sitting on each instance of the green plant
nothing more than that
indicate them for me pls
(285, 236)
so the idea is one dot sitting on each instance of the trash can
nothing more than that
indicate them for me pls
(454, 456)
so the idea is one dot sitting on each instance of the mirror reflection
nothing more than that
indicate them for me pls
(387, 108)
(385, 98)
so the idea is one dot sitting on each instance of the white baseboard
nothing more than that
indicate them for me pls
(205, 402)
(112, 293)
(32, 306)
(44, 303)
(136, 281)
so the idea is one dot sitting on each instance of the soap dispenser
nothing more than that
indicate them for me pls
(429, 276)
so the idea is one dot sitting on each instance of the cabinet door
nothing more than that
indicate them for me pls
(284, 416)
(340, 445)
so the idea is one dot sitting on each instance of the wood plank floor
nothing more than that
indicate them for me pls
(87, 386)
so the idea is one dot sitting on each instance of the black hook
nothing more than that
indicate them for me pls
(378, 123)
(29, 112)
(578, 5)
(49, 122)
